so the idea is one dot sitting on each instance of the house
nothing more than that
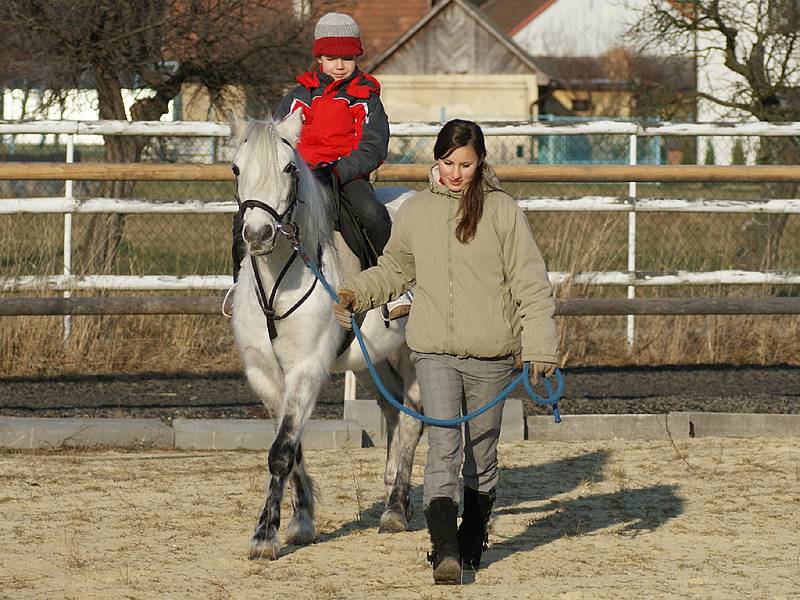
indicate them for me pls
(383, 21)
(454, 62)
(581, 45)
(562, 27)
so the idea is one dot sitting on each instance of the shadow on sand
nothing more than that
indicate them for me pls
(533, 490)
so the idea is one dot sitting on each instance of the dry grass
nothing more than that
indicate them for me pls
(35, 346)
(571, 242)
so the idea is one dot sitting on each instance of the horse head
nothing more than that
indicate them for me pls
(267, 171)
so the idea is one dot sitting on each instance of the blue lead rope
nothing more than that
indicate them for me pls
(524, 377)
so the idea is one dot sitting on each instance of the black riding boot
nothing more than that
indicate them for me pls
(473, 533)
(238, 247)
(441, 516)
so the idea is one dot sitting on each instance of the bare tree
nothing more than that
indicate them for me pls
(758, 42)
(154, 45)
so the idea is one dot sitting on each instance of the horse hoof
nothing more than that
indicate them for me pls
(300, 532)
(392, 522)
(260, 549)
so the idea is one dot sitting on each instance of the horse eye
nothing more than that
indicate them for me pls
(289, 168)
(235, 170)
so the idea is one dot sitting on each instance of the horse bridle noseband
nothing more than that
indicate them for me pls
(289, 229)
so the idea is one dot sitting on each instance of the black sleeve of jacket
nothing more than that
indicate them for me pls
(298, 93)
(372, 148)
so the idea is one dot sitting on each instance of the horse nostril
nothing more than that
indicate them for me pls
(266, 233)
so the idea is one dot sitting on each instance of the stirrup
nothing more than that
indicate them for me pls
(226, 304)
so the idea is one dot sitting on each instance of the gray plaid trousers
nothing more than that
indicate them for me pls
(452, 386)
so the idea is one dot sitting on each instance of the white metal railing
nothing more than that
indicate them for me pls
(221, 129)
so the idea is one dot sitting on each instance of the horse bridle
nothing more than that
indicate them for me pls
(289, 229)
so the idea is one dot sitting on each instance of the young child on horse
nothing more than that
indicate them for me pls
(345, 137)
(482, 298)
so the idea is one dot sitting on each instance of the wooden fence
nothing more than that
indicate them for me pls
(211, 305)
(631, 174)
(415, 172)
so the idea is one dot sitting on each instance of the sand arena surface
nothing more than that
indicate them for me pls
(709, 518)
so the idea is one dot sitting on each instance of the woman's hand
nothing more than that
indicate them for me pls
(343, 310)
(543, 369)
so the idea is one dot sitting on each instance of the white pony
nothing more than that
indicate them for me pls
(278, 195)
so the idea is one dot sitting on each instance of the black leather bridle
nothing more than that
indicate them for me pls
(289, 229)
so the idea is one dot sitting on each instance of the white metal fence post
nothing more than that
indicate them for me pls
(68, 233)
(632, 240)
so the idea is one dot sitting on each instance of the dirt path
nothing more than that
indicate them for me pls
(773, 389)
(583, 520)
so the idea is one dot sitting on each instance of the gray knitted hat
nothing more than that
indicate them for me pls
(337, 34)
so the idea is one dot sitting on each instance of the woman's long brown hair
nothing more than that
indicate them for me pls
(456, 134)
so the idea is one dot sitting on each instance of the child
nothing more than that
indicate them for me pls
(479, 276)
(345, 135)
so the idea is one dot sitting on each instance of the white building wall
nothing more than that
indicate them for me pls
(576, 28)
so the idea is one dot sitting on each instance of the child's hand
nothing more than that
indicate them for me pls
(326, 172)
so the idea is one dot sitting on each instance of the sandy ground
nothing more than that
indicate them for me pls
(708, 518)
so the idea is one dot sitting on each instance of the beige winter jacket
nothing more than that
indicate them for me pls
(469, 299)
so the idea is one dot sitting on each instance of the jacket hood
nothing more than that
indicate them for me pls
(490, 182)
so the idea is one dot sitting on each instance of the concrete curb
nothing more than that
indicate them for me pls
(186, 434)
(742, 425)
(605, 427)
(367, 413)
(248, 434)
(32, 433)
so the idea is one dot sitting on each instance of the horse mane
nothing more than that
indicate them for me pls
(314, 212)
(315, 215)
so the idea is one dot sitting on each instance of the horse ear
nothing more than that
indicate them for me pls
(290, 127)
(237, 125)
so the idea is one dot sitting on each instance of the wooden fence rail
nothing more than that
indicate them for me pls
(413, 172)
(211, 305)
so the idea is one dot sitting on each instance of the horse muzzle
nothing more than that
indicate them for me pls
(260, 238)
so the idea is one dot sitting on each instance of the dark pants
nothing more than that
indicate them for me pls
(372, 216)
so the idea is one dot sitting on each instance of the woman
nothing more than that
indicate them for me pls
(481, 298)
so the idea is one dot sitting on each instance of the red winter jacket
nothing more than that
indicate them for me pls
(344, 122)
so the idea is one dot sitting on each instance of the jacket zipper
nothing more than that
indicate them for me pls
(450, 323)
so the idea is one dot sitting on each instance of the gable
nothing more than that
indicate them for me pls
(454, 38)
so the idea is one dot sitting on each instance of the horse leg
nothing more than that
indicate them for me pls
(403, 433)
(265, 542)
(303, 383)
(301, 529)
(400, 455)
